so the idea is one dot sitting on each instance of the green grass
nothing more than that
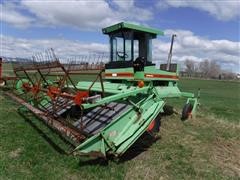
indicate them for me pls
(207, 147)
(222, 98)
(7, 69)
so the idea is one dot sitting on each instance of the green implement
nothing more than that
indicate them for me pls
(124, 99)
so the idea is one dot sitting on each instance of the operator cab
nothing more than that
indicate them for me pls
(130, 46)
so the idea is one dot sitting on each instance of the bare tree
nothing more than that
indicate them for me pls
(215, 69)
(209, 69)
(204, 68)
(190, 67)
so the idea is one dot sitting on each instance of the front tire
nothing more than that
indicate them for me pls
(186, 112)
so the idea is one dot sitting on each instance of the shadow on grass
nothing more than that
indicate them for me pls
(93, 162)
(43, 135)
(141, 145)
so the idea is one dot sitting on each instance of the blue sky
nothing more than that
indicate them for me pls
(205, 29)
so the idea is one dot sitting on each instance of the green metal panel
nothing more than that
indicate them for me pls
(128, 70)
(163, 75)
(187, 94)
(139, 75)
(168, 92)
(125, 25)
(112, 88)
(119, 135)
(115, 97)
(150, 116)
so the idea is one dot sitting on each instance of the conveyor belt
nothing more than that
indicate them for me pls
(99, 117)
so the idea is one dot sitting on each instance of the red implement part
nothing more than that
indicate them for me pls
(151, 126)
(80, 96)
(36, 89)
(53, 92)
(26, 86)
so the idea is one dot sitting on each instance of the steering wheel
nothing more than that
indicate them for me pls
(122, 54)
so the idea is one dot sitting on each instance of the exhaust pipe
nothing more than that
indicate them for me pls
(170, 53)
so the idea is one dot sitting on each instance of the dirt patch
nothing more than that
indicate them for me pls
(226, 155)
(15, 153)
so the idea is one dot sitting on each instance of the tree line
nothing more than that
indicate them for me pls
(206, 69)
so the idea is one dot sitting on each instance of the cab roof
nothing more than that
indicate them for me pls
(138, 28)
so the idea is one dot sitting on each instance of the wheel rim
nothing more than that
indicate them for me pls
(2, 83)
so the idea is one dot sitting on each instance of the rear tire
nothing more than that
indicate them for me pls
(186, 112)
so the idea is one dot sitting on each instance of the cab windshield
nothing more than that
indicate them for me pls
(127, 46)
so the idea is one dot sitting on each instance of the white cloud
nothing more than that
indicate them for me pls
(80, 14)
(221, 9)
(128, 10)
(86, 15)
(187, 46)
(10, 13)
(64, 49)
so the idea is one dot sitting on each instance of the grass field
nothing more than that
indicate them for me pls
(207, 147)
